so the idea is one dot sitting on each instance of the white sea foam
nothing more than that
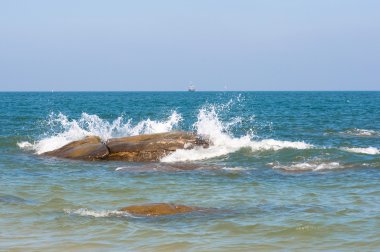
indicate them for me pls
(25, 145)
(234, 169)
(361, 132)
(307, 166)
(65, 130)
(211, 127)
(98, 214)
(369, 150)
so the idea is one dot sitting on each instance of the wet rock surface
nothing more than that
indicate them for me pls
(159, 209)
(141, 148)
(89, 148)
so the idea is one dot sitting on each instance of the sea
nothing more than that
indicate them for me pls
(285, 171)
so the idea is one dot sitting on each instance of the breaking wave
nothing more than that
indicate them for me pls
(99, 213)
(208, 125)
(234, 169)
(307, 166)
(361, 132)
(368, 151)
(175, 167)
(63, 130)
(211, 127)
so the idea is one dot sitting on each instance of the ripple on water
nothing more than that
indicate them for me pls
(287, 187)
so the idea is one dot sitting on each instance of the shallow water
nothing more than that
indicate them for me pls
(286, 171)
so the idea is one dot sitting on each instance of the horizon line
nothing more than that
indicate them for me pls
(185, 91)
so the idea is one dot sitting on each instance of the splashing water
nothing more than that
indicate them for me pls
(98, 213)
(65, 130)
(210, 126)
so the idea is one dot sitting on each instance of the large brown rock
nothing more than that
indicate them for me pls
(89, 148)
(150, 147)
(141, 148)
(159, 209)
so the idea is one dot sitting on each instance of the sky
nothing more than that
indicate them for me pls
(116, 45)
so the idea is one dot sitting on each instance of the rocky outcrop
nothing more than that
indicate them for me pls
(159, 209)
(141, 148)
(90, 148)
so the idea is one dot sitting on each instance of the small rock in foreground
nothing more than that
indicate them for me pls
(159, 209)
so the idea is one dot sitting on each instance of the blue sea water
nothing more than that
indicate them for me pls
(286, 171)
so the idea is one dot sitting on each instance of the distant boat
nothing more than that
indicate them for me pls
(191, 88)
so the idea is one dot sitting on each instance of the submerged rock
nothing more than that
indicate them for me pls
(166, 167)
(141, 148)
(10, 199)
(158, 209)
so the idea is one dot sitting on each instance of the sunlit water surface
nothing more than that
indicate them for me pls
(286, 171)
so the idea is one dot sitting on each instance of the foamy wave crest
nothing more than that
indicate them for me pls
(368, 151)
(362, 132)
(211, 127)
(234, 169)
(63, 130)
(307, 166)
(97, 214)
(25, 145)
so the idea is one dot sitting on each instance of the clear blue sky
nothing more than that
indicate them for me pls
(162, 45)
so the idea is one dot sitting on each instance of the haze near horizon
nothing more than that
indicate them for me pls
(162, 45)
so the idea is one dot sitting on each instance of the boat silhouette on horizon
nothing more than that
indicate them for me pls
(191, 88)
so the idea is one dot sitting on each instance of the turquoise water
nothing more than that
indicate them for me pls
(286, 171)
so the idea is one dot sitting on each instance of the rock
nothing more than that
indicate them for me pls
(159, 209)
(151, 147)
(10, 199)
(141, 148)
(89, 148)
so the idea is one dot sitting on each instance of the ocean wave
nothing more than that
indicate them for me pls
(234, 169)
(25, 145)
(208, 125)
(307, 166)
(175, 167)
(361, 132)
(63, 130)
(166, 167)
(211, 127)
(97, 214)
(368, 151)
